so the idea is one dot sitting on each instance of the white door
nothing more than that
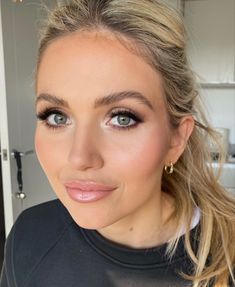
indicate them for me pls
(19, 24)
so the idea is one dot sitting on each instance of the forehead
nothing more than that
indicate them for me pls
(95, 62)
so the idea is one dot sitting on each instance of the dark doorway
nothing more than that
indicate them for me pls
(2, 224)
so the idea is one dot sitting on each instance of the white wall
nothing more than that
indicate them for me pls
(211, 48)
(220, 104)
(211, 26)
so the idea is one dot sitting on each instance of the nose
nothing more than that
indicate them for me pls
(84, 150)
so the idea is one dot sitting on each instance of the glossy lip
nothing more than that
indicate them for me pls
(88, 186)
(86, 192)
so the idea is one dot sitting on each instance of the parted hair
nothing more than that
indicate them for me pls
(157, 33)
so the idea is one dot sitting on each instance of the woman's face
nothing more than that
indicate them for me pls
(122, 141)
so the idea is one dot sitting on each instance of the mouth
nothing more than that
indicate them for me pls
(85, 192)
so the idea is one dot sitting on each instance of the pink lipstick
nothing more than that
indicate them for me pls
(85, 192)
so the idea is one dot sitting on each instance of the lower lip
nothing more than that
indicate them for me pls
(86, 196)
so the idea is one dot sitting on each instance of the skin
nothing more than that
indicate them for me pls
(80, 68)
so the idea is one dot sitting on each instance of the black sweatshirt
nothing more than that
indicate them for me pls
(47, 248)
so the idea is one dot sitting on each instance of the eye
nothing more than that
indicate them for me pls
(124, 119)
(53, 118)
(57, 119)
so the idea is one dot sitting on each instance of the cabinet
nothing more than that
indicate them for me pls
(211, 43)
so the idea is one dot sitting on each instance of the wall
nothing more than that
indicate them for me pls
(211, 47)
(211, 26)
(220, 104)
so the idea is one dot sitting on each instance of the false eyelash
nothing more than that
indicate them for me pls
(129, 113)
(47, 112)
(42, 116)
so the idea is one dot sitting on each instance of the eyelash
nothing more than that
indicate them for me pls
(43, 117)
(126, 113)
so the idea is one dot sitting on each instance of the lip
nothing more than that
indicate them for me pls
(89, 186)
(85, 192)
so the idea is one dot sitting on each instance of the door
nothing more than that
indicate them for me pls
(19, 22)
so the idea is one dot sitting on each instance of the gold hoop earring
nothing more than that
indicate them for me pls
(169, 168)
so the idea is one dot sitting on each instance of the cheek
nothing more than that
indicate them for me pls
(130, 156)
(142, 155)
(50, 151)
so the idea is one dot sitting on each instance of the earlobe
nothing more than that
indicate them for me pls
(180, 139)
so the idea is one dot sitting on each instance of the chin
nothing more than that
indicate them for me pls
(88, 224)
(87, 220)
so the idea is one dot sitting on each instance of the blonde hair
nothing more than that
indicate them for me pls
(159, 34)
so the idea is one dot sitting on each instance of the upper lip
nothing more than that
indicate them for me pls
(88, 186)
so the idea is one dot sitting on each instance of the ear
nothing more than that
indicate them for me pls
(179, 139)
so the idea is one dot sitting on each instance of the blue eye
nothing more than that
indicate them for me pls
(57, 119)
(124, 119)
(121, 119)
(53, 118)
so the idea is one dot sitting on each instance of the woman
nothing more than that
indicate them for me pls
(123, 141)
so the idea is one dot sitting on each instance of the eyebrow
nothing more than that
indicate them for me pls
(106, 100)
(51, 99)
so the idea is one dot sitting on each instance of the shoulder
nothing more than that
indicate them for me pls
(43, 216)
(35, 232)
(45, 220)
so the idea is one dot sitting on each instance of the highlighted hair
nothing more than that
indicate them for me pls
(157, 33)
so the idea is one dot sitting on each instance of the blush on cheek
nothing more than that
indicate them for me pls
(144, 154)
(52, 152)
(46, 151)
(149, 157)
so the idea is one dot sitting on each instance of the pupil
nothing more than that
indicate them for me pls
(59, 119)
(124, 120)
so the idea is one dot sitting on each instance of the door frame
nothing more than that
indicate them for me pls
(4, 141)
